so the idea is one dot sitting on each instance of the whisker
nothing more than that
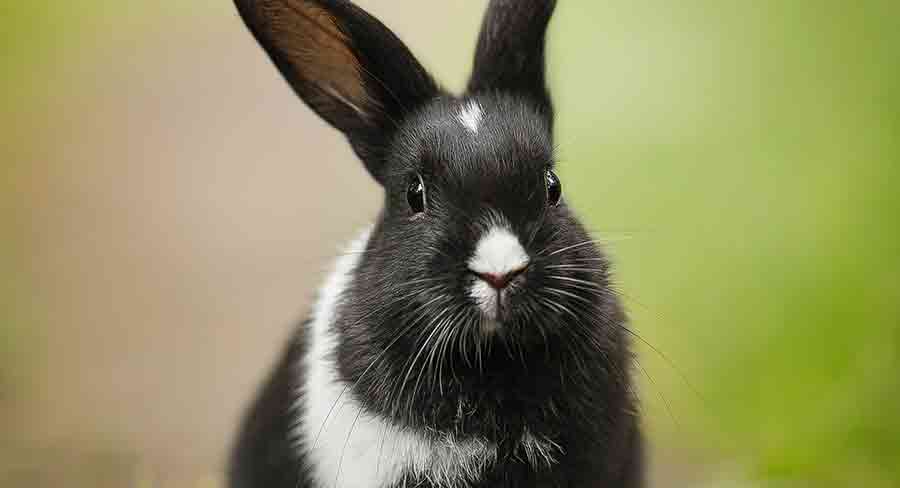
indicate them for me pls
(337, 475)
(557, 291)
(380, 449)
(551, 240)
(575, 246)
(585, 260)
(418, 354)
(660, 394)
(632, 333)
(667, 360)
(442, 327)
(585, 283)
(612, 237)
(574, 267)
(443, 341)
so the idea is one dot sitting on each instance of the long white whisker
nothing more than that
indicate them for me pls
(418, 354)
(442, 342)
(574, 267)
(575, 246)
(441, 326)
(557, 291)
(590, 284)
(337, 475)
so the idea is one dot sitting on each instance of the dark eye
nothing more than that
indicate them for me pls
(554, 188)
(415, 194)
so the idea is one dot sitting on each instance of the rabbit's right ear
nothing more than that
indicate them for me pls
(346, 65)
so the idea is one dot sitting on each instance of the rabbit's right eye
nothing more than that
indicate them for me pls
(415, 194)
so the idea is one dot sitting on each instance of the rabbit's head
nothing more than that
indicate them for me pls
(477, 281)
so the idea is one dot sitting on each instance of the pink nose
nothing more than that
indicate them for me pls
(500, 280)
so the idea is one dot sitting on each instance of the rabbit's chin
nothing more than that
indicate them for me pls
(490, 326)
(494, 306)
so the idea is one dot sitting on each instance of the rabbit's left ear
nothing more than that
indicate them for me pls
(346, 65)
(509, 57)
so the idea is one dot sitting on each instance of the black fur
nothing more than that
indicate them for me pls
(559, 366)
(266, 456)
(510, 53)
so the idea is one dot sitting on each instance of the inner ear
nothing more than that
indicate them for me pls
(345, 65)
(317, 56)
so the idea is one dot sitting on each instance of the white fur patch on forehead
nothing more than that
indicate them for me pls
(498, 252)
(470, 116)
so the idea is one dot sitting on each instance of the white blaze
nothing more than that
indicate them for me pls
(470, 116)
(498, 252)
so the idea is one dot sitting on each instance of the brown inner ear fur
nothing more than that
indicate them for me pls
(319, 52)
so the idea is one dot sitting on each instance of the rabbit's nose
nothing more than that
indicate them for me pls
(498, 258)
(499, 281)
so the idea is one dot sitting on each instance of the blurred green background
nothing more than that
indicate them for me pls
(164, 226)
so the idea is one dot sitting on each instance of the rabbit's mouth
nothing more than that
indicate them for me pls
(493, 296)
(497, 270)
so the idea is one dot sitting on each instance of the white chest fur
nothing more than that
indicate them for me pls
(350, 448)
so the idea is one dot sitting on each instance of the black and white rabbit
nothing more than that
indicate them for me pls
(470, 337)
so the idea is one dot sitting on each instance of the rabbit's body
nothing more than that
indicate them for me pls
(306, 430)
(469, 338)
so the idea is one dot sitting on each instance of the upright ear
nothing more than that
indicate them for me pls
(346, 65)
(510, 53)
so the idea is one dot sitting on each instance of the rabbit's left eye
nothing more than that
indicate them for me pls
(554, 188)
(415, 193)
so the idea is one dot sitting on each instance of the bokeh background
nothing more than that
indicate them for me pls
(168, 208)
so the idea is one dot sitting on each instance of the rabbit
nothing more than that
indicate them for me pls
(471, 337)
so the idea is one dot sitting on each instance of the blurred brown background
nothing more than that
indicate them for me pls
(169, 208)
(178, 220)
